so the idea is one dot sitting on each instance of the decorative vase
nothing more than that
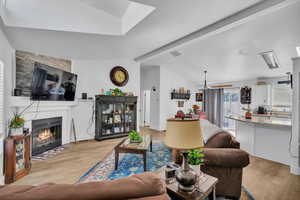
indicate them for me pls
(16, 131)
(196, 168)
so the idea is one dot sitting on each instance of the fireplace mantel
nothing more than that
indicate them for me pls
(25, 101)
(46, 109)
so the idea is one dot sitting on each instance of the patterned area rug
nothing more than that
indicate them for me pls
(50, 153)
(128, 164)
(133, 164)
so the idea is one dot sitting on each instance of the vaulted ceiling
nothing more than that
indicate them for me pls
(109, 29)
(233, 55)
(169, 20)
(107, 17)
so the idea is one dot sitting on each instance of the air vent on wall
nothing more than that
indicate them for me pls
(175, 53)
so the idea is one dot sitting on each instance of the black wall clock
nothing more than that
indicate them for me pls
(119, 76)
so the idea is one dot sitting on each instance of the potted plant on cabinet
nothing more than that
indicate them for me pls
(16, 125)
(196, 159)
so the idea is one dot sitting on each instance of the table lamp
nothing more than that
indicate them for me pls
(184, 135)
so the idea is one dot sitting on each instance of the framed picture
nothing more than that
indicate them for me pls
(199, 97)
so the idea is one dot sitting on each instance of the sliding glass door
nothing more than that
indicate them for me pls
(231, 106)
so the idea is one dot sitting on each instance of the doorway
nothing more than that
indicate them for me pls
(146, 107)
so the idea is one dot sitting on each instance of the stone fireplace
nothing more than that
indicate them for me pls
(46, 134)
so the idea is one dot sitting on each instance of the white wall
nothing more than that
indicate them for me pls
(169, 80)
(93, 75)
(150, 78)
(6, 55)
(295, 140)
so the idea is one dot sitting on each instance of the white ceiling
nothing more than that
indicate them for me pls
(109, 17)
(170, 20)
(114, 7)
(233, 55)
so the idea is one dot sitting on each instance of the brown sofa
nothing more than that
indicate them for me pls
(145, 186)
(224, 160)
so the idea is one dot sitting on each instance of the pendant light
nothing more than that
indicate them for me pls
(204, 91)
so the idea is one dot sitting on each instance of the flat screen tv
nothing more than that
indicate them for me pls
(52, 84)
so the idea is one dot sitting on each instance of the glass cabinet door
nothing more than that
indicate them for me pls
(130, 117)
(107, 119)
(118, 118)
(20, 155)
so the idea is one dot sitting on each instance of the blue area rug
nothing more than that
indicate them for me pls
(128, 164)
(133, 164)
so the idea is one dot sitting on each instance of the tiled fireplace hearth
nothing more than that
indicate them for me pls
(46, 134)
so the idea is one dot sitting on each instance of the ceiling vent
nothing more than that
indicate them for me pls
(270, 59)
(175, 53)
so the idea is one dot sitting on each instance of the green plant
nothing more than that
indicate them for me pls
(17, 121)
(195, 157)
(117, 92)
(134, 136)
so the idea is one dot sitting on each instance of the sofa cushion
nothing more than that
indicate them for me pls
(134, 187)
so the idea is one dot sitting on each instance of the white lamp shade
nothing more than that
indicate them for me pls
(184, 134)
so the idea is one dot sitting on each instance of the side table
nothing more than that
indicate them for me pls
(206, 186)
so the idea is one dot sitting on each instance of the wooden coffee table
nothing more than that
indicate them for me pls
(135, 148)
(207, 185)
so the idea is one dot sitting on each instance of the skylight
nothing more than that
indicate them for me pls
(107, 17)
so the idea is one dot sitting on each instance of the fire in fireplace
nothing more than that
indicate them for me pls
(46, 134)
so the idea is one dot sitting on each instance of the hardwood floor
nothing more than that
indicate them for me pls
(264, 179)
(69, 165)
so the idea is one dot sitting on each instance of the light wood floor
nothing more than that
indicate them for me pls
(264, 179)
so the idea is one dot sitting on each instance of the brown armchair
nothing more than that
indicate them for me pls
(224, 160)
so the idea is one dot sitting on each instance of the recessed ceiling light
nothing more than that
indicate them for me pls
(298, 50)
(270, 59)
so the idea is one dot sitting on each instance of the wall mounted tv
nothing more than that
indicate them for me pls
(52, 84)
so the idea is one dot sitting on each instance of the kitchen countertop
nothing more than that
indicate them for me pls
(261, 120)
(286, 116)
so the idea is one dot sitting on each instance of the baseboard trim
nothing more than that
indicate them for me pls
(295, 170)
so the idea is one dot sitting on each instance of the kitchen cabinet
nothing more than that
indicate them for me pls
(261, 95)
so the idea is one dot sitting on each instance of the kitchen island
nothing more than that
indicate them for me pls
(268, 138)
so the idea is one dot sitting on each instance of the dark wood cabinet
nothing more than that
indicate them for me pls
(116, 116)
(17, 157)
